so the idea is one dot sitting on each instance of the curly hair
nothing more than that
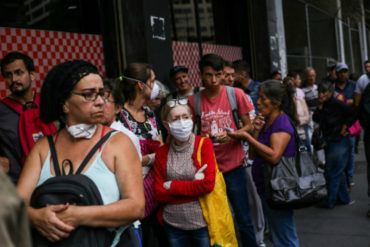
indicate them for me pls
(57, 87)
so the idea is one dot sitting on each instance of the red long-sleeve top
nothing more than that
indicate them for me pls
(184, 191)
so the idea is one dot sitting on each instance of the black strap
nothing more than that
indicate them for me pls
(197, 109)
(84, 162)
(54, 155)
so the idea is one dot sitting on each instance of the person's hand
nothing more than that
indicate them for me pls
(238, 134)
(199, 175)
(49, 225)
(344, 131)
(258, 122)
(167, 185)
(70, 216)
(221, 137)
(4, 163)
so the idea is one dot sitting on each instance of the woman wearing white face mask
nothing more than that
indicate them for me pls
(138, 87)
(180, 180)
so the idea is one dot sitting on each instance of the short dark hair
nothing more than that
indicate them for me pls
(326, 86)
(212, 60)
(114, 87)
(241, 66)
(136, 71)
(293, 74)
(57, 87)
(15, 55)
(366, 62)
(228, 64)
(274, 73)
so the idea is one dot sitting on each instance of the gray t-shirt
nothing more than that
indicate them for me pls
(361, 84)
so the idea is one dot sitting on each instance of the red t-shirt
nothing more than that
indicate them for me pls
(216, 114)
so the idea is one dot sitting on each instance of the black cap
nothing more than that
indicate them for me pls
(175, 69)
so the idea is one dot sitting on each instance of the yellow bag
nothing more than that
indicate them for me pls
(216, 211)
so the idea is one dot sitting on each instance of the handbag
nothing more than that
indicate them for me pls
(216, 210)
(295, 182)
(317, 139)
(355, 129)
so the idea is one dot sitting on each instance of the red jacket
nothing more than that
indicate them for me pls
(184, 191)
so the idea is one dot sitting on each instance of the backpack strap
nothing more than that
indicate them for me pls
(84, 162)
(14, 105)
(93, 150)
(54, 155)
(197, 101)
(234, 107)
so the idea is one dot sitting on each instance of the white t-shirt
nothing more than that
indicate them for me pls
(117, 125)
(299, 93)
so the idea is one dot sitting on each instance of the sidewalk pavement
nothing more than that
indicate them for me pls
(343, 226)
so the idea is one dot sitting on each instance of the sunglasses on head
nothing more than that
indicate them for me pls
(173, 102)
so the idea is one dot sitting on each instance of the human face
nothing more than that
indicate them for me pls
(155, 103)
(229, 76)
(148, 85)
(324, 96)
(18, 78)
(264, 104)
(367, 67)
(310, 77)
(342, 76)
(297, 81)
(181, 80)
(79, 110)
(111, 109)
(211, 77)
(178, 112)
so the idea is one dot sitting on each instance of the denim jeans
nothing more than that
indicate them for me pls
(187, 238)
(281, 224)
(237, 194)
(351, 160)
(307, 141)
(337, 156)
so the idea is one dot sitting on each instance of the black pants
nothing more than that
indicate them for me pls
(367, 153)
(153, 232)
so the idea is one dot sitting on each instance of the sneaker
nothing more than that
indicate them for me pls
(262, 244)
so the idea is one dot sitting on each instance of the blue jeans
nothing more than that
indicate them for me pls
(337, 156)
(187, 238)
(281, 224)
(351, 160)
(307, 141)
(236, 188)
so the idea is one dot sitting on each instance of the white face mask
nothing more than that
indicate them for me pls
(181, 129)
(82, 130)
(155, 91)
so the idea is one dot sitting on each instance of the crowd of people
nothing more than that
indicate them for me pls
(160, 159)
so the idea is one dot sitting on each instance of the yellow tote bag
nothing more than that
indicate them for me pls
(216, 211)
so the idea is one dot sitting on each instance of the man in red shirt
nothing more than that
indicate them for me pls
(216, 117)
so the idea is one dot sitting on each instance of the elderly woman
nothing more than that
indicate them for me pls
(180, 180)
(73, 93)
(268, 143)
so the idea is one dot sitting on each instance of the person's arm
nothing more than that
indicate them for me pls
(202, 186)
(121, 153)
(43, 219)
(356, 99)
(272, 153)
(4, 163)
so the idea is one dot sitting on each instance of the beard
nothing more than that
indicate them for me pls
(21, 89)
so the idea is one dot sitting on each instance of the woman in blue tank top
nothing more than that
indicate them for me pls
(73, 93)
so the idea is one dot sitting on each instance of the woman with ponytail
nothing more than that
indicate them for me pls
(272, 138)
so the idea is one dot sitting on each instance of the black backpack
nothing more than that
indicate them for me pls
(75, 189)
(364, 108)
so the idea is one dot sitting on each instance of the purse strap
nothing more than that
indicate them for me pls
(199, 152)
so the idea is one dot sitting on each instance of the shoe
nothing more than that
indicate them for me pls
(346, 203)
(324, 205)
(262, 244)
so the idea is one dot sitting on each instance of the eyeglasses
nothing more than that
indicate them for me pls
(93, 95)
(173, 102)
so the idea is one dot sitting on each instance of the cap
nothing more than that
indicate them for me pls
(178, 68)
(341, 66)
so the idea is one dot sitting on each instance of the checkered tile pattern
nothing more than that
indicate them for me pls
(187, 54)
(49, 48)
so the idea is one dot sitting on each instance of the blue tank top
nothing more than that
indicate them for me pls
(104, 179)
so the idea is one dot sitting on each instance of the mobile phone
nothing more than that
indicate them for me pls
(230, 130)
